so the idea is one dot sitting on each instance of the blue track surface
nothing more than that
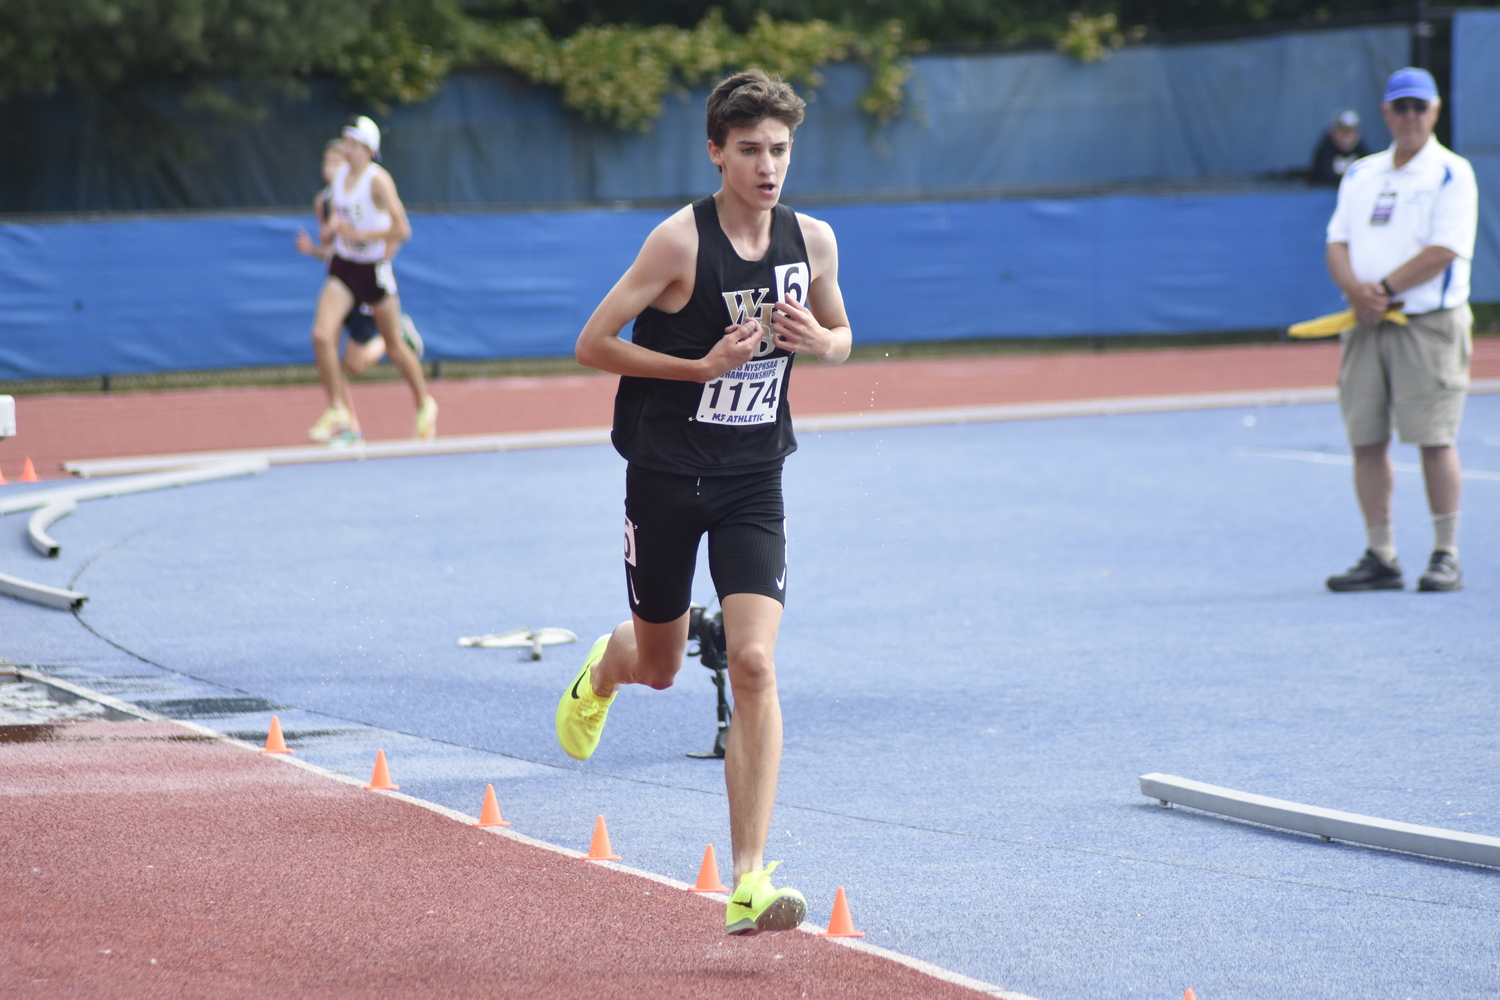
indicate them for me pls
(993, 630)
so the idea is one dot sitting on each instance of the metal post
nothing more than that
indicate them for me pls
(1421, 37)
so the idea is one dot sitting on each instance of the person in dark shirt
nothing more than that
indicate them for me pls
(1340, 146)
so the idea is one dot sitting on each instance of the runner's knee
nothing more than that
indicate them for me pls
(752, 668)
(658, 672)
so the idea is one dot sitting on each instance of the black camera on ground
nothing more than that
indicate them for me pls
(707, 630)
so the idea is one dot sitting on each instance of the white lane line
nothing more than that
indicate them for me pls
(809, 424)
(926, 968)
(1334, 458)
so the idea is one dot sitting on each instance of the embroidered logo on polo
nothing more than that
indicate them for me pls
(749, 395)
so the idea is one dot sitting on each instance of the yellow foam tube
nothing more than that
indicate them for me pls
(1336, 323)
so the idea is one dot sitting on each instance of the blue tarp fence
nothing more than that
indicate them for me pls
(1476, 133)
(129, 295)
(973, 124)
(92, 298)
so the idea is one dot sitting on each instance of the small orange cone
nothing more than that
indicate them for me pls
(2, 479)
(1188, 994)
(28, 473)
(274, 741)
(841, 924)
(599, 849)
(489, 813)
(381, 779)
(708, 874)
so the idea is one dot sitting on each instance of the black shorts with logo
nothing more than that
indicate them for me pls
(666, 514)
(368, 283)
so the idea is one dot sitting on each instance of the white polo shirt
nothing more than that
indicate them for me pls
(1387, 216)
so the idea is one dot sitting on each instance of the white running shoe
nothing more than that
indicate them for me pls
(427, 420)
(334, 420)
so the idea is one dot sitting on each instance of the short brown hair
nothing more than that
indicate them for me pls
(748, 98)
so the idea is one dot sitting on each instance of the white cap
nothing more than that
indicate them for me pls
(1347, 119)
(365, 131)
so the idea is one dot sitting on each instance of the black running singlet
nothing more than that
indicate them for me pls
(740, 421)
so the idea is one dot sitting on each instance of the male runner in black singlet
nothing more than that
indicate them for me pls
(723, 293)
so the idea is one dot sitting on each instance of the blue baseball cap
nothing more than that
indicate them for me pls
(1411, 82)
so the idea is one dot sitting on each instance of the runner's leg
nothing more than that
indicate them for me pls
(358, 357)
(388, 318)
(334, 304)
(642, 652)
(752, 760)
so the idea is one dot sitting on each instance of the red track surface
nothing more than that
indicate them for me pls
(140, 860)
(53, 429)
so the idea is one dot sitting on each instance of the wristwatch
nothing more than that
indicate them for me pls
(1390, 292)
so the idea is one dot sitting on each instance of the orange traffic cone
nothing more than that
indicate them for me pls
(708, 874)
(2, 479)
(28, 473)
(1188, 994)
(489, 813)
(274, 741)
(599, 849)
(381, 779)
(841, 924)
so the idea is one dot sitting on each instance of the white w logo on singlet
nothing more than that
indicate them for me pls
(753, 303)
(750, 303)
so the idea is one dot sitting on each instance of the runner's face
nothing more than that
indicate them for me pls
(357, 153)
(754, 161)
(332, 160)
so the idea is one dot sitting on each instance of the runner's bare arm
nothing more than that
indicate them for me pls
(662, 276)
(324, 246)
(823, 327)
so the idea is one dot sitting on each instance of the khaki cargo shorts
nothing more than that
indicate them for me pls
(1413, 378)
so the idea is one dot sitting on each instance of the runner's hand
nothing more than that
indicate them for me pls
(733, 349)
(306, 245)
(798, 331)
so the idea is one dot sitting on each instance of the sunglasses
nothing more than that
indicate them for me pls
(1409, 105)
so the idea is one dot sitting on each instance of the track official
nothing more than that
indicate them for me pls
(1402, 237)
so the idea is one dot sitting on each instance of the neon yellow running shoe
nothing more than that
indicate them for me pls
(333, 420)
(427, 420)
(756, 905)
(580, 714)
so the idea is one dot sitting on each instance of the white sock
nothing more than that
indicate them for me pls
(1445, 530)
(1382, 541)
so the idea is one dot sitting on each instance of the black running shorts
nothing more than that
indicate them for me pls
(369, 283)
(665, 516)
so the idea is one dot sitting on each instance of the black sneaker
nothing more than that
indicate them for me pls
(1370, 573)
(1442, 573)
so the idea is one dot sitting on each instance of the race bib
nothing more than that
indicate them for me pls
(747, 396)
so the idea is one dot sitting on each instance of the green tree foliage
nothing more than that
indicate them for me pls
(100, 46)
(613, 60)
(617, 73)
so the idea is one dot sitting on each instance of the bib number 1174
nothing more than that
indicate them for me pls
(746, 396)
